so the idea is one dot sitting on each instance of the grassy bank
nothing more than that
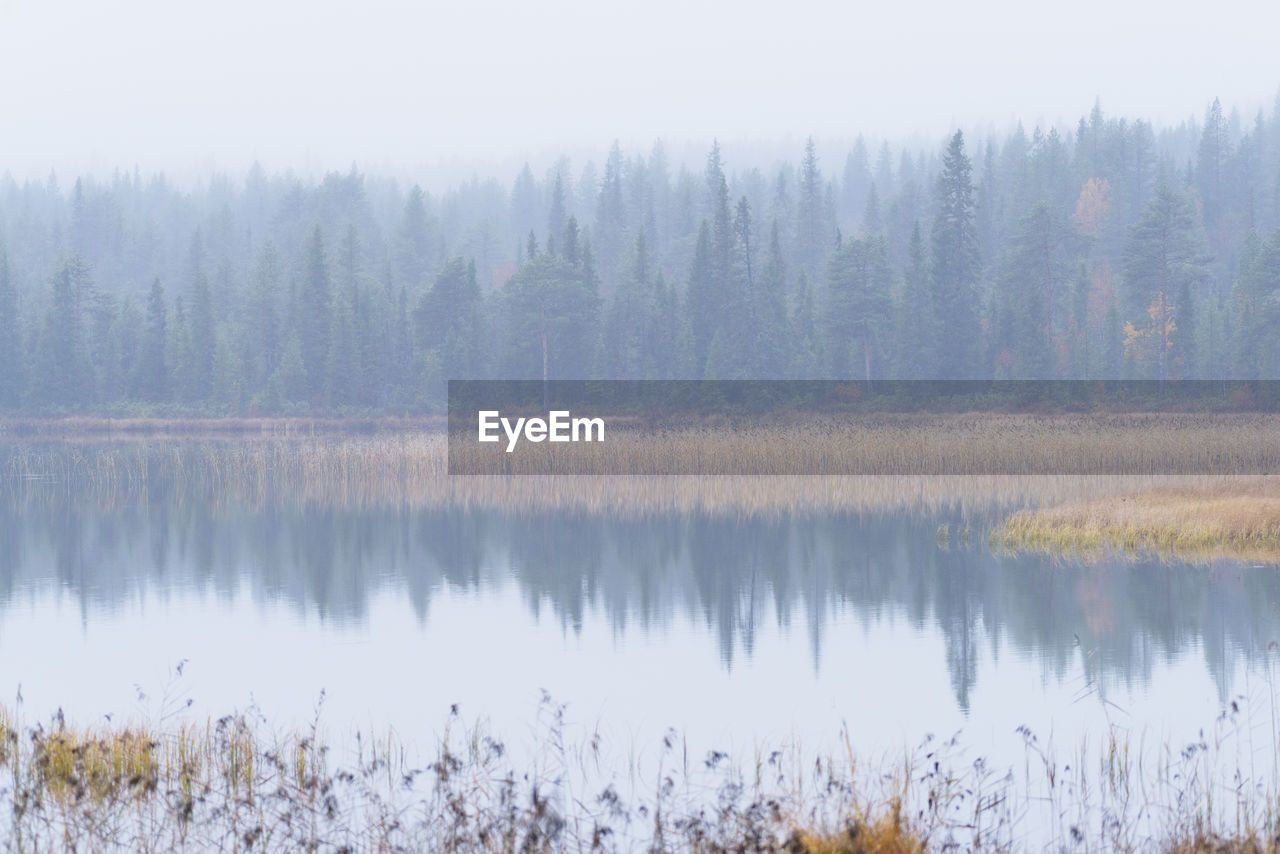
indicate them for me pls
(1233, 517)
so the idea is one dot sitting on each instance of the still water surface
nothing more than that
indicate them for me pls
(741, 634)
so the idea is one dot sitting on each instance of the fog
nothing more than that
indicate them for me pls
(426, 87)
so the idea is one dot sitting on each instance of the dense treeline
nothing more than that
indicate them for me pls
(1114, 251)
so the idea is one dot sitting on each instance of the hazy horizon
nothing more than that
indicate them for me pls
(437, 94)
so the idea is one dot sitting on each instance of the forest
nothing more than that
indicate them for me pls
(1115, 249)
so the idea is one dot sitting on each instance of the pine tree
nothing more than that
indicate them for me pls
(610, 225)
(771, 346)
(856, 181)
(1211, 162)
(811, 231)
(857, 306)
(314, 315)
(151, 380)
(918, 324)
(448, 322)
(262, 327)
(956, 264)
(342, 375)
(1033, 280)
(199, 378)
(551, 313)
(630, 325)
(12, 367)
(1162, 267)
(806, 358)
(63, 376)
(556, 217)
(872, 220)
(414, 241)
(700, 301)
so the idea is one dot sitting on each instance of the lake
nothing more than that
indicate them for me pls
(738, 631)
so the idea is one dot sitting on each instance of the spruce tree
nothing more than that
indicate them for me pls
(956, 264)
(12, 360)
(314, 319)
(151, 379)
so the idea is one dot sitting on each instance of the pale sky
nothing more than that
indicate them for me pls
(170, 84)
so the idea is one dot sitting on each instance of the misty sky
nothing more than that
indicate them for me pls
(179, 85)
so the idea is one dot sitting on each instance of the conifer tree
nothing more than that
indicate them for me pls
(314, 318)
(956, 264)
(12, 360)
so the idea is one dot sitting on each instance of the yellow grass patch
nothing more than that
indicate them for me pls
(74, 764)
(1233, 517)
(882, 833)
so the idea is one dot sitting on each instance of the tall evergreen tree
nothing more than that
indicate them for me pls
(199, 376)
(413, 248)
(151, 379)
(12, 360)
(314, 317)
(343, 371)
(857, 307)
(956, 264)
(64, 376)
(1162, 267)
(919, 325)
(700, 301)
(1033, 282)
(811, 230)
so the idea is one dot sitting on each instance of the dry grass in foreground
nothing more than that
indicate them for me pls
(1236, 517)
(232, 785)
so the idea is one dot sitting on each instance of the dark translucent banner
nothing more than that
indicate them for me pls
(894, 427)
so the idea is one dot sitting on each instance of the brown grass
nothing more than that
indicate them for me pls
(883, 832)
(1234, 517)
(905, 445)
(1202, 842)
(230, 785)
(409, 468)
(88, 427)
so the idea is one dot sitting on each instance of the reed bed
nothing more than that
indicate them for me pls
(903, 445)
(89, 427)
(410, 470)
(1235, 517)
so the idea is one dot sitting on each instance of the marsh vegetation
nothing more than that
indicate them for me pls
(329, 523)
(236, 784)
(1231, 517)
(814, 464)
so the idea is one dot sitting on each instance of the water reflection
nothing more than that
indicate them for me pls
(731, 577)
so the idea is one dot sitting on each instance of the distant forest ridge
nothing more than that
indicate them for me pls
(1118, 251)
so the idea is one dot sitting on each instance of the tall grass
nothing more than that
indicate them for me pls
(1237, 517)
(232, 784)
(410, 469)
(895, 445)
